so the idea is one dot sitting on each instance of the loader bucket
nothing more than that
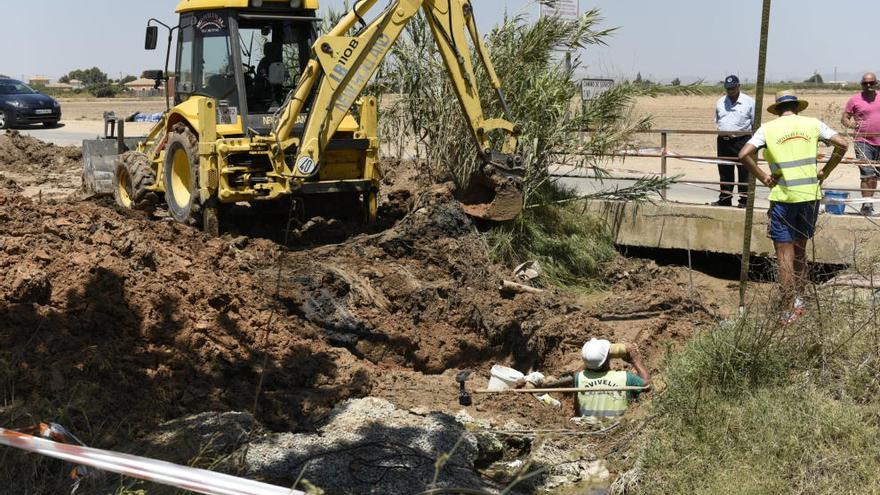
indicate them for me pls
(494, 194)
(99, 163)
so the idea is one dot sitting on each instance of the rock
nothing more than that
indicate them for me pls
(30, 285)
(209, 434)
(567, 466)
(490, 449)
(370, 446)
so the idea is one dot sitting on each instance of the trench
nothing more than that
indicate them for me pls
(725, 266)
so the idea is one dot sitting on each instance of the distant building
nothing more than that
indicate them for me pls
(145, 87)
(76, 84)
(39, 81)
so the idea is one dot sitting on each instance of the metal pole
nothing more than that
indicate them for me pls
(663, 163)
(750, 200)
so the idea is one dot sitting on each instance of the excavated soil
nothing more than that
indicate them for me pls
(41, 170)
(113, 322)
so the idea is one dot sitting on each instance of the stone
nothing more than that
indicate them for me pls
(369, 446)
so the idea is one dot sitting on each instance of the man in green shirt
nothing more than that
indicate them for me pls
(597, 374)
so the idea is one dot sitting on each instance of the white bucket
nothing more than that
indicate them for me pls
(503, 378)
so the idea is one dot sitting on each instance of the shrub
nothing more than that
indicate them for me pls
(103, 90)
(754, 407)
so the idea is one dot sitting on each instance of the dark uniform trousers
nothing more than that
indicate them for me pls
(730, 146)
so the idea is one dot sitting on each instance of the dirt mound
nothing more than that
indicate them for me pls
(19, 152)
(134, 321)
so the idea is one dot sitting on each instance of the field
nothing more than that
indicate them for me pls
(697, 112)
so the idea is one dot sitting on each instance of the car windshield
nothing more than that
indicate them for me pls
(14, 88)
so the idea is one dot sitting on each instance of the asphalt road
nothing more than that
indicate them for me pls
(72, 133)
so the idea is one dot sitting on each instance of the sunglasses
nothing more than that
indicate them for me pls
(869, 83)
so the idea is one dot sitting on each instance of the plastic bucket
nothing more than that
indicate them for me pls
(503, 378)
(832, 205)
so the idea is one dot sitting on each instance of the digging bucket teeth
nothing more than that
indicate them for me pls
(495, 191)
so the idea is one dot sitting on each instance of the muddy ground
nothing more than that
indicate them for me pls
(113, 323)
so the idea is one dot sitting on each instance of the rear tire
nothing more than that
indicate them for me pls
(133, 177)
(4, 123)
(50, 125)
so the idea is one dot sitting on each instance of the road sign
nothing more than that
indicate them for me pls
(592, 88)
(568, 10)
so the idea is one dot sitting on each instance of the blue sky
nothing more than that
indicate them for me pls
(662, 40)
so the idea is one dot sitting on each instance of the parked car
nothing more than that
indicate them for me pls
(21, 105)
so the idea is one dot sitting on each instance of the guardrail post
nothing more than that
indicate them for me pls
(663, 163)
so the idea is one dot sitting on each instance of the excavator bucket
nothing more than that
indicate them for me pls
(494, 193)
(99, 156)
(99, 163)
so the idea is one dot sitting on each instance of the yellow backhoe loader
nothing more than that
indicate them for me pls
(265, 109)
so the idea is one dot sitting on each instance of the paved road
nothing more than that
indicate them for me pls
(74, 132)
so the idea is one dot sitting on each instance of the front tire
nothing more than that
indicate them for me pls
(4, 122)
(132, 180)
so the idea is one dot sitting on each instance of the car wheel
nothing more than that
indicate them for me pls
(50, 125)
(3, 123)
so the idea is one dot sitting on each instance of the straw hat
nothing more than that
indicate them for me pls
(785, 97)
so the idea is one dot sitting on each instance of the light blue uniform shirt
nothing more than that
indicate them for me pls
(735, 117)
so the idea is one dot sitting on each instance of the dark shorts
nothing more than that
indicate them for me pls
(792, 221)
(868, 151)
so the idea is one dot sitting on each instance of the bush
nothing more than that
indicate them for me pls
(544, 101)
(754, 407)
(103, 90)
(571, 245)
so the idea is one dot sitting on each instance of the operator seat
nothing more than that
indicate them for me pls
(271, 74)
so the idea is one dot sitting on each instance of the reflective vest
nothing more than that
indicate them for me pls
(792, 143)
(601, 404)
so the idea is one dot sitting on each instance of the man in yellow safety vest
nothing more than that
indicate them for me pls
(597, 374)
(791, 143)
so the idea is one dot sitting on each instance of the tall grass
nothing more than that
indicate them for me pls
(755, 407)
(544, 101)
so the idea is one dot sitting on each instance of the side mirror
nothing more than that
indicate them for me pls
(156, 75)
(152, 38)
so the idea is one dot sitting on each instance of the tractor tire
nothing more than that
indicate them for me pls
(182, 177)
(133, 177)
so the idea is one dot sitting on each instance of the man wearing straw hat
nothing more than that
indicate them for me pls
(862, 113)
(791, 143)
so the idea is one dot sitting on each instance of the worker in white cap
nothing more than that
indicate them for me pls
(597, 374)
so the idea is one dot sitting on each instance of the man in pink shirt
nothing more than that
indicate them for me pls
(862, 113)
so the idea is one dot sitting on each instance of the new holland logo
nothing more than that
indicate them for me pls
(306, 166)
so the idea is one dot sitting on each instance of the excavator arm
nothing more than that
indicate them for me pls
(342, 66)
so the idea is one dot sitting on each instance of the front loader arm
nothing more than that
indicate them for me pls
(342, 66)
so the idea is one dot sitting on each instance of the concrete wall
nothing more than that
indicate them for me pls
(839, 238)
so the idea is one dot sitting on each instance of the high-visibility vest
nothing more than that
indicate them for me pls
(792, 143)
(601, 404)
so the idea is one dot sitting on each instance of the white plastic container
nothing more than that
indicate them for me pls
(503, 378)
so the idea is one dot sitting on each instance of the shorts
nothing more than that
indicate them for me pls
(870, 152)
(792, 221)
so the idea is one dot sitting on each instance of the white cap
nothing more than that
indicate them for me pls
(595, 352)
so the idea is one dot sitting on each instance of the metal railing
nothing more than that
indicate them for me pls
(664, 155)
